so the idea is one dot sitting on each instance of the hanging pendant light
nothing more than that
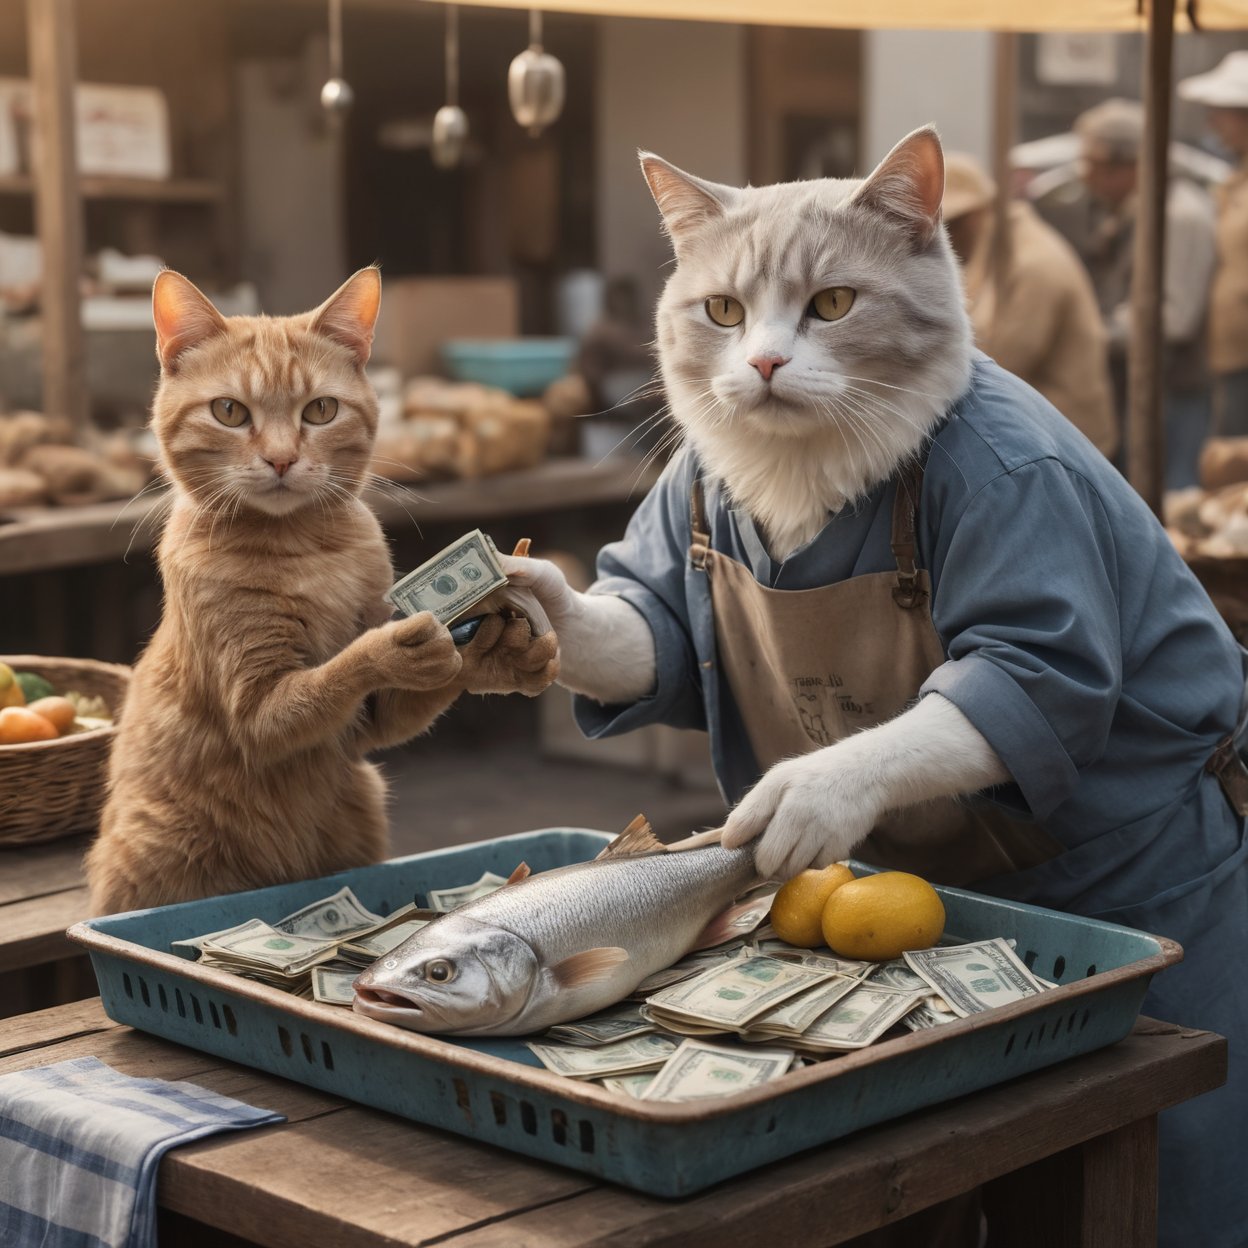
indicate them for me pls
(336, 95)
(535, 82)
(450, 123)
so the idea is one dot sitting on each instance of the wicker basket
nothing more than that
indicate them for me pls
(50, 789)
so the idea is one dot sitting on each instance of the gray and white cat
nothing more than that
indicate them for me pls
(806, 357)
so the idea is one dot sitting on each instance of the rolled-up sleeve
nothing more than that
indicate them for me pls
(1027, 606)
(647, 570)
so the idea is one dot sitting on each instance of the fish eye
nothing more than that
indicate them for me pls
(320, 411)
(230, 412)
(725, 311)
(440, 971)
(833, 303)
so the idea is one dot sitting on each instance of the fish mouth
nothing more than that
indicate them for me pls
(389, 1007)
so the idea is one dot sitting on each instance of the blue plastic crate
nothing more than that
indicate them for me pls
(495, 1090)
(522, 366)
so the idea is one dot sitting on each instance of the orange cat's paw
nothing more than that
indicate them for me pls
(507, 658)
(418, 653)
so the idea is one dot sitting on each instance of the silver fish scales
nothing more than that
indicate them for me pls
(560, 945)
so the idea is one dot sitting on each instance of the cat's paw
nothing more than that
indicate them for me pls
(810, 811)
(417, 653)
(504, 657)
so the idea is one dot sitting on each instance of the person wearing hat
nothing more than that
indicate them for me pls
(1039, 317)
(1224, 92)
(1110, 136)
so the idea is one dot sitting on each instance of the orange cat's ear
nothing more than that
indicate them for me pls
(183, 316)
(686, 202)
(909, 184)
(349, 315)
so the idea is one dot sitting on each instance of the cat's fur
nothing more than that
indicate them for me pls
(854, 399)
(239, 760)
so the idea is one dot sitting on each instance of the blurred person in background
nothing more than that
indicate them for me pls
(1047, 328)
(1224, 91)
(1110, 136)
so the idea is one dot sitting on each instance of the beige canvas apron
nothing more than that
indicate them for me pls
(808, 667)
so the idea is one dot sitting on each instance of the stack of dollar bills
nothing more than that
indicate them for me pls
(464, 576)
(771, 1007)
(318, 951)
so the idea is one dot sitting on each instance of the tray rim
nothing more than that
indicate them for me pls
(446, 1053)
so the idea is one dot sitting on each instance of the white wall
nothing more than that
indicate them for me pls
(677, 89)
(911, 77)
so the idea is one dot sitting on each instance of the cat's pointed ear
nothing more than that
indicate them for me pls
(909, 184)
(183, 315)
(687, 203)
(349, 315)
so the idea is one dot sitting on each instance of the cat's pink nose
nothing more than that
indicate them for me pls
(280, 466)
(767, 364)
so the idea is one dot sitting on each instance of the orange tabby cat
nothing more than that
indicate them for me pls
(239, 760)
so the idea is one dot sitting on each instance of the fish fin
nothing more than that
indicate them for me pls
(588, 966)
(522, 872)
(637, 838)
(720, 928)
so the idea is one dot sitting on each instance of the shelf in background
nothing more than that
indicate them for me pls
(138, 190)
(36, 538)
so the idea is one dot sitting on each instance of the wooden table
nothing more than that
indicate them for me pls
(42, 892)
(1069, 1156)
(35, 539)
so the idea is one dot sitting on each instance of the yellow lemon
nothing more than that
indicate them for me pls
(797, 908)
(10, 691)
(881, 916)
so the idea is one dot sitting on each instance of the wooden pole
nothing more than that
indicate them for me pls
(1145, 431)
(53, 56)
(1005, 110)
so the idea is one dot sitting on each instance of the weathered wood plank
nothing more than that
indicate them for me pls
(41, 538)
(49, 1027)
(356, 1177)
(38, 870)
(33, 932)
(53, 56)
(1120, 1187)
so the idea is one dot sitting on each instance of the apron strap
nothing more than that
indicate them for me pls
(907, 593)
(699, 548)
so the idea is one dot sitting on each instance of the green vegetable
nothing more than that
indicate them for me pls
(34, 686)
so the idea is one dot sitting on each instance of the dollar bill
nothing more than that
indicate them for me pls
(444, 900)
(338, 915)
(698, 1070)
(619, 1023)
(453, 581)
(791, 1018)
(629, 1085)
(974, 977)
(689, 966)
(859, 1018)
(257, 944)
(623, 1057)
(926, 1015)
(728, 996)
(332, 986)
(363, 950)
(896, 974)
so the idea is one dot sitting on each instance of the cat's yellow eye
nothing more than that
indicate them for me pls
(230, 412)
(320, 411)
(724, 311)
(833, 303)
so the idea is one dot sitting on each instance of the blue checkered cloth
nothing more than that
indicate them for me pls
(80, 1146)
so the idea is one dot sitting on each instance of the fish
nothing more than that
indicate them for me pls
(556, 946)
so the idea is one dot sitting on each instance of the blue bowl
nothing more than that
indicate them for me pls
(522, 366)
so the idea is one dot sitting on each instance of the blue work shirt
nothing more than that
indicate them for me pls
(1077, 641)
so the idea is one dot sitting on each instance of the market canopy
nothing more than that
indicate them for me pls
(1005, 15)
